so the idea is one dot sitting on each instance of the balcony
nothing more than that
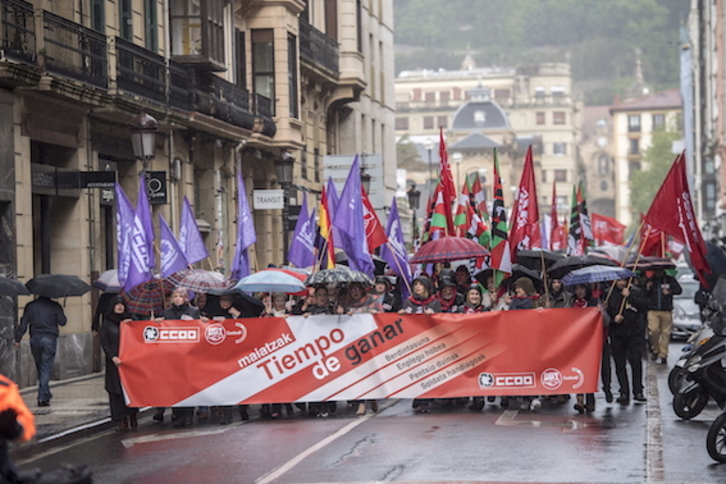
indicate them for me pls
(223, 100)
(18, 29)
(318, 49)
(139, 71)
(181, 86)
(75, 51)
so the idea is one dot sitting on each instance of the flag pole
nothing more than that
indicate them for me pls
(622, 263)
(400, 269)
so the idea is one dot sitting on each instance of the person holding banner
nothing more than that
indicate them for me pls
(449, 299)
(422, 301)
(358, 301)
(473, 301)
(384, 297)
(180, 309)
(624, 307)
(124, 416)
(583, 299)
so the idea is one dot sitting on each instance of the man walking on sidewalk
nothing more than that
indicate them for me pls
(660, 290)
(44, 316)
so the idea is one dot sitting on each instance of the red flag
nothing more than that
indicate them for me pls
(607, 229)
(558, 236)
(480, 202)
(525, 233)
(672, 212)
(375, 235)
(447, 183)
(650, 239)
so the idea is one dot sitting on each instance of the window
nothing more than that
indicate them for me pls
(263, 64)
(292, 75)
(151, 26)
(634, 123)
(444, 96)
(480, 117)
(304, 163)
(559, 117)
(359, 24)
(417, 94)
(658, 120)
(125, 19)
(98, 15)
(428, 122)
(197, 29)
(560, 175)
(539, 92)
(559, 148)
(457, 93)
(710, 196)
(316, 164)
(430, 97)
(442, 121)
(241, 64)
(401, 124)
(502, 94)
(544, 176)
(634, 148)
(558, 91)
(540, 118)
(603, 186)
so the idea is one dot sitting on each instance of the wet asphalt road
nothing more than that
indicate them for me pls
(619, 444)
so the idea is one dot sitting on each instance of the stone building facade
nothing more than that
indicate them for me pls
(236, 87)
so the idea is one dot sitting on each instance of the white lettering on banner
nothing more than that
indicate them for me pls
(518, 380)
(153, 334)
(279, 366)
(523, 205)
(265, 350)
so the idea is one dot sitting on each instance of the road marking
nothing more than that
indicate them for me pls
(508, 419)
(145, 439)
(284, 468)
(654, 434)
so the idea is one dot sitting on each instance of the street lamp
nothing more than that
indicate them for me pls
(428, 145)
(283, 168)
(457, 157)
(414, 199)
(365, 179)
(143, 137)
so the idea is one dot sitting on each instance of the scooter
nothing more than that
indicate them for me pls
(678, 372)
(705, 376)
(716, 439)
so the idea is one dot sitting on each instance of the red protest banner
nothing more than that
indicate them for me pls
(188, 363)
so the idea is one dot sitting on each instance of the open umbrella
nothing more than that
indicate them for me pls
(341, 258)
(618, 253)
(560, 268)
(649, 263)
(533, 259)
(200, 280)
(448, 249)
(57, 285)
(271, 280)
(596, 273)
(250, 307)
(12, 287)
(338, 275)
(108, 281)
(148, 297)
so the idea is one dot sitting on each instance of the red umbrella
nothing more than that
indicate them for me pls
(448, 249)
(148, 297)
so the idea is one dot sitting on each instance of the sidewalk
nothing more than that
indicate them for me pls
(79, 408)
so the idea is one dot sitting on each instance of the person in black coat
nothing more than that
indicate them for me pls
(624, 307)
(660, 290)
(110, 332)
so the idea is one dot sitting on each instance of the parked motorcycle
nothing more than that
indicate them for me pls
(716, 439)
(678, 372)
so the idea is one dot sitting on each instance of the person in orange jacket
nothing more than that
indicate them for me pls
(16, 423)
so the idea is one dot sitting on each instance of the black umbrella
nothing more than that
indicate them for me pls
(341, 258)
(518, 271)
(563, 267)
(12, 287)
(57, 285)
(532, 259)
(249, 306)
(340, 274)
(649, 263)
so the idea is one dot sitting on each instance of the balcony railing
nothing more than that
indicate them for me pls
(75, 51)
(263, 105)
(18, 30)
(140, 71)
(181, 86)
(317, 48)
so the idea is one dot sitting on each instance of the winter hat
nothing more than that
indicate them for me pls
(525, 284)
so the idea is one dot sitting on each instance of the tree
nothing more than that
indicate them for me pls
(657, 160)
(407, 156)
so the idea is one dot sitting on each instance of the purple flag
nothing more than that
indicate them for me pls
(143, 210)
(394, 252)
(332, 195)
(140, 266)
(302, 253)
(172, 256)
(246, 235)
(190, 240)
(124, 225)
(349, 220)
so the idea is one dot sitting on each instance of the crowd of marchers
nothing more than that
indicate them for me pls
(637, 315)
